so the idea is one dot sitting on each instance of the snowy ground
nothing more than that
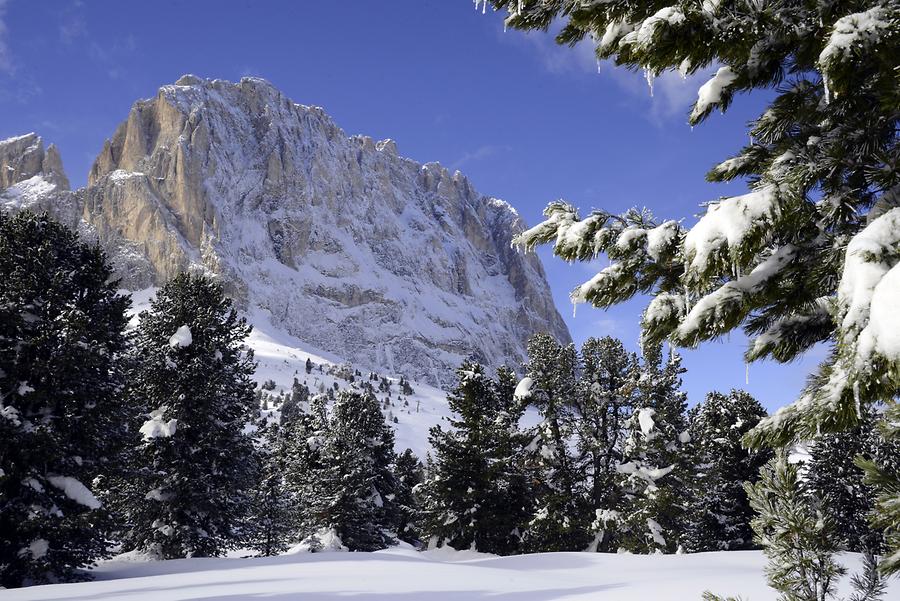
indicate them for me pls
(406, 575)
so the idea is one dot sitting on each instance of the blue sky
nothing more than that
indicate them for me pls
(525, 120)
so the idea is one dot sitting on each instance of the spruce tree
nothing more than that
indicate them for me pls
(604, 402)
(809, 254)
(562, 511)
(475, 492)
(654, 466)
(62, 417)
(718, 513)
(410, 473)
(340, 470)
(194, 465)
(834, 476)
(273, 515)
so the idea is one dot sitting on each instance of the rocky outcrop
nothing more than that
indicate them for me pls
(341, 241)
(33, 178)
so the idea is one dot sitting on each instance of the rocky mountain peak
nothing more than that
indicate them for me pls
(337, 239)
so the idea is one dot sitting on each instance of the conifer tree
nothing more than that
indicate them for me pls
(809, 254)
(718, 513)
(62, 418)
(654, 461)
(604, 402)
(273, 516)
(834, 476)
(410, 473)
(783, 260)
(796, 536)
(194, 466)
(294, 405)
(475, 491)
(562, 513)
(340, 469)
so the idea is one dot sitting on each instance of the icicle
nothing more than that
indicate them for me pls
(648, 75)
(746, 374)
(856, 400)
(574, 309)
(827, 90)
(598, 66)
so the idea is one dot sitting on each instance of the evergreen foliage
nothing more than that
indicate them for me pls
(654, 466)
(834, 476)
(273, 517)
(475, 494)
(193, 465)
(796, 535)
(884, 476)
(340, 469)
(562, 511)
(718, 511)
(604, 402)
(783, 260)
(810, 253)
(62, 418)
(293, 406)
(410, 473)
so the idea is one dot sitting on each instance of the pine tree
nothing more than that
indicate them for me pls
(410, 473)
(340, 469)
(809, 254)
(194, 466)
(604, 402)
(294, 405)
(654, 462)
(62, 418)
(562, 517)
(834, 476)
(718, 511)
(475, 493)
(796, 536)
(788, 267)
(883, 474)
(273, 516)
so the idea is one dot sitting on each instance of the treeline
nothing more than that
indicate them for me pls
(155, 439)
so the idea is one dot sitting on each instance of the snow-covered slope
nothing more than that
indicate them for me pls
(405, 575)
(281, 358)
(347, 245)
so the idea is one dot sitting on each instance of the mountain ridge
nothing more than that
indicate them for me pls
(349, 246)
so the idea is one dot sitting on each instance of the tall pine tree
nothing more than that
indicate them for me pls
(834, 476)
(62, 417)
(718, 513)
(654, 463)
(562, 515)
(475, 494)
(194, 465)
(604, 402)
(341, 470)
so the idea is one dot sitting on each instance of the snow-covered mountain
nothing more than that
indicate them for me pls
(339, 240)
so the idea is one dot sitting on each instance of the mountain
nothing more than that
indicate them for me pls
(346, 245)
(32, 177)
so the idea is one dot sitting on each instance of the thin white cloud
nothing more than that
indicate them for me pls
(482, 152)
(672, 95)
(6, 64)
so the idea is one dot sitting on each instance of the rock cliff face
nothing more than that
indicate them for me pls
(33, 178)
(347, 245)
